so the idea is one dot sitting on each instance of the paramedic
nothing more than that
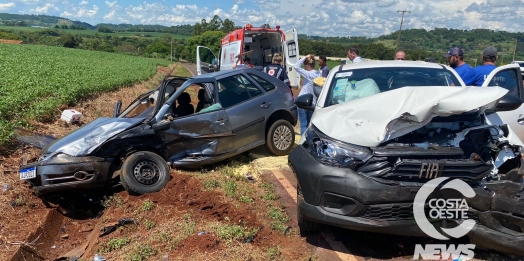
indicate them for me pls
(276, 70)
(309, 74)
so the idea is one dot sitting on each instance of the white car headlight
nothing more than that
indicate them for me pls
(334, 153)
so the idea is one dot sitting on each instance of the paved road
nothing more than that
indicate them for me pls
(191, 67)
(336, 244)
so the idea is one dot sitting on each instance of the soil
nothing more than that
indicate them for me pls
(33, 228)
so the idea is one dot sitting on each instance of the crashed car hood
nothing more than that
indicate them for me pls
(86, 139)
(374, 119)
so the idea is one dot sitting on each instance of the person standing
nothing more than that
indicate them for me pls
(400, 55)
(276, 70)
(323, 68)
(478, 75)
(309, 74)
(353, 54)
(455, 58)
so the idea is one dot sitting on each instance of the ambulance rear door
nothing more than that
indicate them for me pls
(292, 56)
(228, 53)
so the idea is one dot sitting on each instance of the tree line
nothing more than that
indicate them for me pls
(419, 44)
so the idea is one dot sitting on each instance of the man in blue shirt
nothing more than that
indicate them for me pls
(455, 57)
(477, 76)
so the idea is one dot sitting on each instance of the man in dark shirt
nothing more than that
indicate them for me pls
(323, 68)
(276, 70)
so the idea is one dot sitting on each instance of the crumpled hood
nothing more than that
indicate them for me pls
(87, 138)
(374, 119)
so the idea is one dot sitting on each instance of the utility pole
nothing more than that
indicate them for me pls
(401, 21)
(171, 50)
(515, 50)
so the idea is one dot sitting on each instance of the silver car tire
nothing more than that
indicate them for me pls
(280, 138)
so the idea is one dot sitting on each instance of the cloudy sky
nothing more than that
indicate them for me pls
(313, 17)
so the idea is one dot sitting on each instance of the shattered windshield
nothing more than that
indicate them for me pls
(354, 84)
(144, 105)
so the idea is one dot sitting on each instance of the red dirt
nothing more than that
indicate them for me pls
(204, 243)
(184, 192)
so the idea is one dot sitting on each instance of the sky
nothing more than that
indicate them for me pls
(370, 18)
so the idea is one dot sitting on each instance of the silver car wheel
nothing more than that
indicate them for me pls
(282, 137)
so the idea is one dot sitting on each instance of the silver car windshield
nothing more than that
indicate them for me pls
(354, 84)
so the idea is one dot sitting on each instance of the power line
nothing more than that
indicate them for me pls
(401, 21)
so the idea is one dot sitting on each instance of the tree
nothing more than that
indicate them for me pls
(215, 24)
(227, 26)
(211, 39)
(265, 26)
(69, 41)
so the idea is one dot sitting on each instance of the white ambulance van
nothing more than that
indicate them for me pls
(263, 44)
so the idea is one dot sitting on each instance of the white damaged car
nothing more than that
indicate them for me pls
(381, 130)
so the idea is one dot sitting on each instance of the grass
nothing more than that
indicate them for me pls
(211, 184)
(115, 244)
(141, 252)
(234, 232)
(280, 219)
(230, 188)
(273, 252)
(59, 78)
(147, 205)
(113, 200)
(149, 224)
(269, 191)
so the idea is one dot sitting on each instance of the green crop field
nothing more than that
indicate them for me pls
(36, 80)
(151, 35)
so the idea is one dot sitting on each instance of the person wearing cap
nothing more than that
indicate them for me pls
(455, 58)
(400, 55)
(276, 70)
(478, 74)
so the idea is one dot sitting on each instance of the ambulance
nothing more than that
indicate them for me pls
(262, 43)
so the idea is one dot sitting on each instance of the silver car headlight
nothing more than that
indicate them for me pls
(335, 153)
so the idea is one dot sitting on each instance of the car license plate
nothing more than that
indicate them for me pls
(28, 173)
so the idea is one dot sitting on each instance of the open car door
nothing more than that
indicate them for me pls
(510, 78)
(206, 60)
(292, 56)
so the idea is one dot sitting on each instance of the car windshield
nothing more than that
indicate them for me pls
(354, 84)
(144, 105)
(521, 64)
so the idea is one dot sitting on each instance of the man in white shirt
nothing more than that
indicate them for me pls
(353, 54)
